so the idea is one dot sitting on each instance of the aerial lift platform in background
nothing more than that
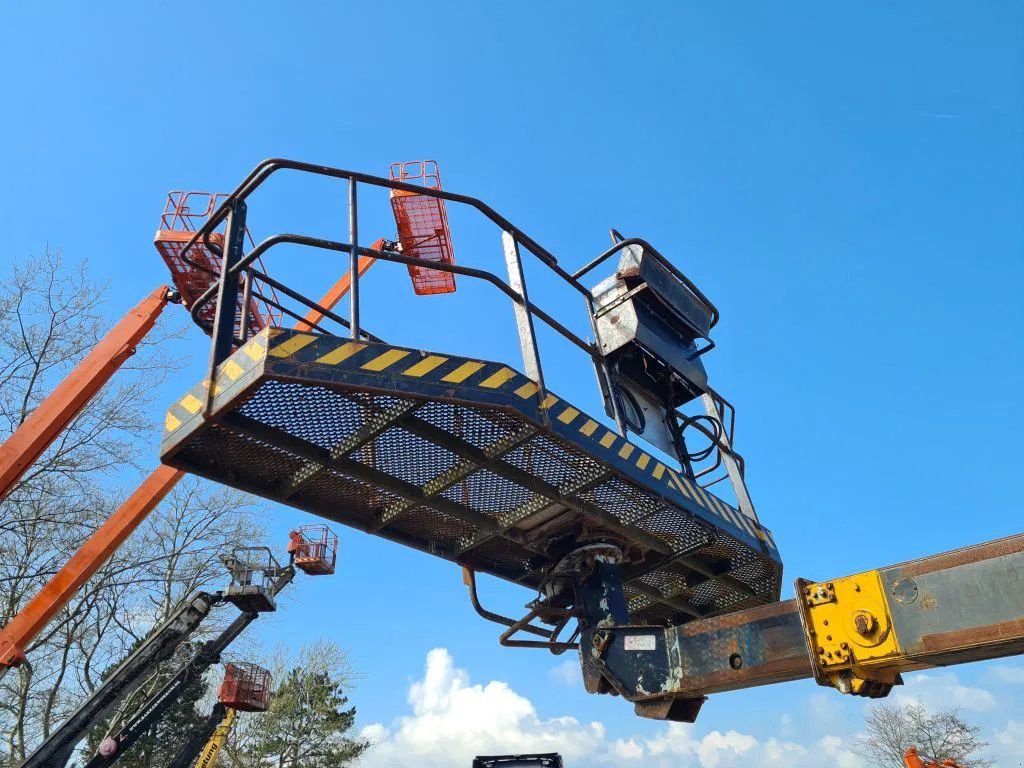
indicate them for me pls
(246, 688)
(256, 580)
(191, 275)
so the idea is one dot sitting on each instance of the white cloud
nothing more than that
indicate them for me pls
(839, 756)
(943, 690)
(567, 673)
(786, 729)
(628, 750)
(679, 746)
(451, 719)
(716, 748)
(1011, 739)
(1011, 675)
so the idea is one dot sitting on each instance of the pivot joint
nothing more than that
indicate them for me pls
(849, 632)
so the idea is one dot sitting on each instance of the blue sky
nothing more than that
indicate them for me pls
(845, 183)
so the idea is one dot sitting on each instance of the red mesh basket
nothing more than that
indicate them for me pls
(193, 273)
(423, 227)
(246, 687)
(315, 549)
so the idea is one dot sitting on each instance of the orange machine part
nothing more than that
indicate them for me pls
(314, 549)
(423, 227)
(15, 637)
(246, 687)
(47, 421)
(194, 273)
(38, 431)
(911, 759)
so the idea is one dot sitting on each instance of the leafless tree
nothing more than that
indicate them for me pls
(891, 729)
(50, 317)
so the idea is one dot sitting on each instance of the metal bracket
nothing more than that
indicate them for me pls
(849, 633)
(538, 611)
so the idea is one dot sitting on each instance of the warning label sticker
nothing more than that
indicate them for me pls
(641, 643)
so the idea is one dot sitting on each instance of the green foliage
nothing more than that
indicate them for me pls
(306, 725)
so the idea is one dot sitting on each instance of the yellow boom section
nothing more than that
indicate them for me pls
(208, 757)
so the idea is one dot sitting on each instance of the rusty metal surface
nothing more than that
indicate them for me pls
(968, 601)
(971, 554)
(741, 650)
(953, 608)
(469, 461)
(666, 672)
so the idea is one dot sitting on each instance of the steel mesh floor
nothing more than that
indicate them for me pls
(471, 483)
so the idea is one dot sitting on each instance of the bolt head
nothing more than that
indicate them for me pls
(865, 623)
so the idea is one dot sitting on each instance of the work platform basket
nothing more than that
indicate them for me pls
(246, 687)
(477, 460)
(314, 549)
(423, 227)
(195, 270)
(254, 573)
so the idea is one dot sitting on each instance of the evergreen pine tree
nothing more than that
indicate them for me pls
(306, 725)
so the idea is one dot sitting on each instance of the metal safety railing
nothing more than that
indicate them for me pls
(185, 213)
(240, 271)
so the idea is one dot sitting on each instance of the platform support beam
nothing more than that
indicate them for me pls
(947, 609)
(223, 341)
(353, 264)
(524, 320)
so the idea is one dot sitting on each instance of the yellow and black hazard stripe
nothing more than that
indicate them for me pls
(281, 352)
(240, 368)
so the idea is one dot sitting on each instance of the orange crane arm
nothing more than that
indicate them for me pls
(48, 602)
(339, 289)
(911, 759)
(61, 406)
(47, 421)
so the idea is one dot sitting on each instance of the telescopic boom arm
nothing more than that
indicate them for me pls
(153, 709)
(55, 751)
(856, 634)
(39, 430)
(207, 739)
(48, 602)
(67, 400)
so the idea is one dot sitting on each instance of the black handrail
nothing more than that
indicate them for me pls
(266, 168)
(244, 264)
(333, 245)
